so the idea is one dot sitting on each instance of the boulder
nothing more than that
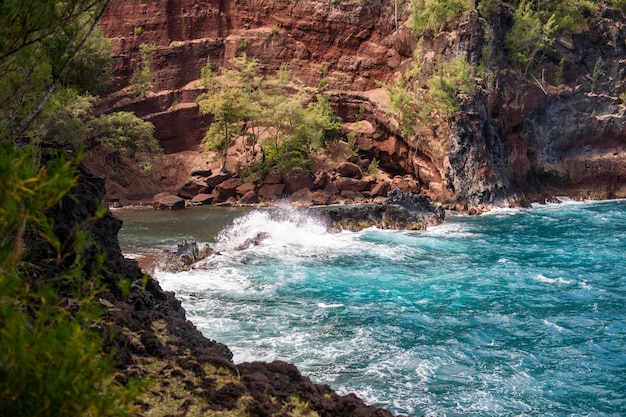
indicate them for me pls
(322, 198)
(295, 181)
(249, 198)
(272, 178)
(246, 187)
(269, 192)
(227, 189)
(201, 173)
(218, 178)
(302, 197)
(321, 180)
(191, 189)
(167, 201)
(350, 196)
(202, 199)
(350, 170)
(417, 203)
(187, 254)
(406, 184)
(351, 184)
(380, 189)
(253, 241)
(331, 188)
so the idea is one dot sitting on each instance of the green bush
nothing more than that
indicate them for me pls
(141, 80)
(125, 132)
(372, 168)
(244, 103)
(619, 4)
(529, 36)
(535, 25)
(447, 83)
(431, 16)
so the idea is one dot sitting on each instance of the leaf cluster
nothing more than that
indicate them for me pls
(414, 104)
(141, 80)
(45, 45)
(535, 25)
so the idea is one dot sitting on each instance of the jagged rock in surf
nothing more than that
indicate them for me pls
(401, 211)
(187, 254)
(253, 241)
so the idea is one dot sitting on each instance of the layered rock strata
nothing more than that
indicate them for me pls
(558, 129)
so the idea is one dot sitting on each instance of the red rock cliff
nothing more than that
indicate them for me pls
(516, 139)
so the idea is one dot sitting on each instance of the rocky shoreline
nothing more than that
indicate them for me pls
(152, 339)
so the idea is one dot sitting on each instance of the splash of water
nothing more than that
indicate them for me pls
(285, 225)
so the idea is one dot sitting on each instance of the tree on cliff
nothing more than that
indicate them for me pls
(40, 46)
(54, 59)
(245, 103)
(52, 360)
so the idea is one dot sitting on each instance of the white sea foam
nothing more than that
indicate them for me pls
(449, 230)
(286, 226)
(282, 224)
(553, 325)
(504, 211)
(199, 280)
(559, 280)
(325, 306)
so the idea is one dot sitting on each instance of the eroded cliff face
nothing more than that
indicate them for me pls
(517, 139)
(525, 138)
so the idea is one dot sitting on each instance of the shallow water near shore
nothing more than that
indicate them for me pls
(514, 313)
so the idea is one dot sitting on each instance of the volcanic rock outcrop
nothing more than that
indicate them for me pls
(401, 211)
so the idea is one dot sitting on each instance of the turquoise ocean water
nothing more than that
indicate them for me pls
(513, 313)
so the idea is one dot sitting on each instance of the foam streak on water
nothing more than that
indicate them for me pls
(516, 313)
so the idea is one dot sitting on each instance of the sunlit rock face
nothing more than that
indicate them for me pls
(557, 130)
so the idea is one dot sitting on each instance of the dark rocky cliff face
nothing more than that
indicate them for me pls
(519, 138)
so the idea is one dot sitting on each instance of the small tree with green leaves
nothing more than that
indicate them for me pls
(244, 103)
(431, 16)
(453, 78)
(531, 35)
(141, 81)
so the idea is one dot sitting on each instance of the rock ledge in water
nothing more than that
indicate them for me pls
(401, 211)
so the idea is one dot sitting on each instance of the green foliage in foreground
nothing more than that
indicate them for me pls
(52, 359)
(51, 355)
